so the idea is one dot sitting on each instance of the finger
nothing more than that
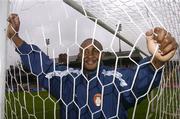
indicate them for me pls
(169, 48)
(12, 17)
(168, 40)
(161, 33)
(149, 33)
(16, 20)
(9, 19)
(14, 14)
(168, 34)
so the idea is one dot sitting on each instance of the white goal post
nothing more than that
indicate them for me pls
(3, 24)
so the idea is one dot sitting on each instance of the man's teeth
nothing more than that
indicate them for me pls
(90, 62)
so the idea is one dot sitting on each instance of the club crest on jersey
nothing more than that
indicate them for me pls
(97, 99)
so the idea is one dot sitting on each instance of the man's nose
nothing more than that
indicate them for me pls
(90, 54)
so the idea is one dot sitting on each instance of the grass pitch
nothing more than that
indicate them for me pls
(33, 105)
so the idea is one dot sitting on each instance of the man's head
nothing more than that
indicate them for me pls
(91, 50)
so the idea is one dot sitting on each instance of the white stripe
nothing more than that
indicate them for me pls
(62, 73)
(118, 75)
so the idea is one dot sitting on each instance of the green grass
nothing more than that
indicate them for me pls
(141, 111)
(23, 104)
(142, 107)
(20, 105)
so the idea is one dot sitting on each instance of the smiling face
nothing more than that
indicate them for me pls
(91, 54)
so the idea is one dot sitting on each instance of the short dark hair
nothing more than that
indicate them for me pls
(95, 42)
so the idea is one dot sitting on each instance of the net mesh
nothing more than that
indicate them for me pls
(26, 94)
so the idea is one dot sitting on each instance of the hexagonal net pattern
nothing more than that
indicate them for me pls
(114, 81)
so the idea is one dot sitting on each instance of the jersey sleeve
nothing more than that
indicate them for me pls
(140, 80)
(36, 61)
(40, 65)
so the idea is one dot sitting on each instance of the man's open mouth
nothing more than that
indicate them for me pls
(90, 62)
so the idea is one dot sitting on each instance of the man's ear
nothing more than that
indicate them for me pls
(102, 55)
(79, 56)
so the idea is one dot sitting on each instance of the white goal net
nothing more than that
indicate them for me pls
(46, 78)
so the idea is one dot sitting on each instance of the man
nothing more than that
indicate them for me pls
(95, 91)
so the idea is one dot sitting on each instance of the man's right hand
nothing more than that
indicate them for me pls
(13, 27)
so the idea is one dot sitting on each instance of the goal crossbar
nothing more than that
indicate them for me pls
(100, 23)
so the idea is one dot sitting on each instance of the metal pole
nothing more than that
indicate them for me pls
(47, 44)
(3, 24)
(99, 22)
(119, 30)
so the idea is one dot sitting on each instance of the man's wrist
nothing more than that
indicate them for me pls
(156, 63)
(17, 40)
(15, 37)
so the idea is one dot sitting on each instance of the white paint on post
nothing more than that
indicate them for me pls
(3, 24)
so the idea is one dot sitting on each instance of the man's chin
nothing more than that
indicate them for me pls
(90, 68)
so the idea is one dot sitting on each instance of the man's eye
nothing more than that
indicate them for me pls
(96, 51)
(86, 52)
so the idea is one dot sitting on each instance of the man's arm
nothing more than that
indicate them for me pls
(140, 80)
(31, 56)
(148, 77)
